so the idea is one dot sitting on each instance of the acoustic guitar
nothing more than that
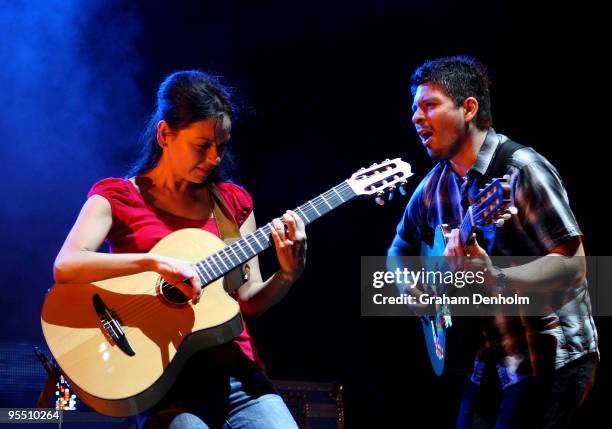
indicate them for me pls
(491, 206)
(123, 341)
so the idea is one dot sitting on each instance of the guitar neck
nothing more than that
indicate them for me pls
(488, 202)
(467, 227)
(237, 253)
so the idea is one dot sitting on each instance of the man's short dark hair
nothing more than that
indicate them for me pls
(461, 77)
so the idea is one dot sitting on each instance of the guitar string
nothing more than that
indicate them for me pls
(145, 310)
(310, 214)
(128, 310)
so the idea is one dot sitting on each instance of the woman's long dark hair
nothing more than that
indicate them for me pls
(183, 98)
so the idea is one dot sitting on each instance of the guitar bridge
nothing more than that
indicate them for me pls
(112, 326)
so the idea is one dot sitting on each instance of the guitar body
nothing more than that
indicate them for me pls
(435, 326)
(120, 379)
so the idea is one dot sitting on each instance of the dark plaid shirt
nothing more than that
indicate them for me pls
(544, 221)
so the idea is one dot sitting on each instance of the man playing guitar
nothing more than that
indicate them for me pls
(452, 116)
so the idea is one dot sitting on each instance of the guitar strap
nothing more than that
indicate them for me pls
(228, 228)
(229, 233)
(497, 168)
(503, 153)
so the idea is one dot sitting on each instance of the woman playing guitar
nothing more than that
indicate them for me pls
(178, 184)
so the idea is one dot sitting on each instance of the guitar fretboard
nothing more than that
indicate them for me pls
(467, 226)
(237, 253)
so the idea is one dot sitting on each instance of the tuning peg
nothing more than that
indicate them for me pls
(500, 223)
(402, 187)
(506, 216)
(374, 165)
(390, 193)
(513, 210)
(380, 199)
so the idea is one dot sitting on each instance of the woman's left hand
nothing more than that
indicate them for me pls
(290, 244)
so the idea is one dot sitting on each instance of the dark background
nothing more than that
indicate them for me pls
(324, 91)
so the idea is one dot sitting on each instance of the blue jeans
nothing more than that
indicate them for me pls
(239, 406)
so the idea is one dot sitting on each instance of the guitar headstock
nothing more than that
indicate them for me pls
(382, 178)
(493, 203)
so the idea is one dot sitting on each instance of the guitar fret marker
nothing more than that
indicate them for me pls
(303, 214)
(221, 259)
(237, 258)
(255, 237)
(210, 266)
(228, 257)
(339, 196)
(242, 250)
(247, 243)
(200, 272)
(328, 205)
(216, 265)
(263, 237)
(315, 209)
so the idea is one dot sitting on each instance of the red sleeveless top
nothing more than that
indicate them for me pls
(138, 226)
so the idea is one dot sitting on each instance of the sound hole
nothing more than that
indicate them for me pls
(173, 294)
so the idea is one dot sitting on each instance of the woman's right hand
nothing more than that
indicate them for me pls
(175, 271)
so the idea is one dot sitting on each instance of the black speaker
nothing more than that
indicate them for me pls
(313, 405)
